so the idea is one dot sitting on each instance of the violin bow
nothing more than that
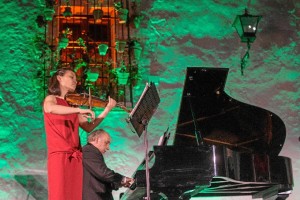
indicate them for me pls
(90, 99)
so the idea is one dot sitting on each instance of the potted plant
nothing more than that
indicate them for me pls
(120, 46)
(102, 49)
(98, 14)
(136, 47)
(137, 21)
(122, 12)
(135, 76)
(136, 16)
(64, 40)
(49, 10)
(92, 75)
(122, 75)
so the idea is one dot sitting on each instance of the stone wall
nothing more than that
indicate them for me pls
(175, 35)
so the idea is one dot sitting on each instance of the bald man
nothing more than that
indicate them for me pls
(98, 179)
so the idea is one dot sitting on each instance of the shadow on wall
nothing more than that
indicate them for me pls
(32, 184)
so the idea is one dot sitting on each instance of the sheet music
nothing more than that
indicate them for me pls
(144, 109)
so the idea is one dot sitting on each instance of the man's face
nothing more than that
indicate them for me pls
(103, 143)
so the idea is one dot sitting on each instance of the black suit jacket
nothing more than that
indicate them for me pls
(98, 179)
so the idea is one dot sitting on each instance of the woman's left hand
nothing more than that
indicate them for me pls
(111, 103)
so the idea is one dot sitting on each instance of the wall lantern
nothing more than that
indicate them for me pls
(246, 27)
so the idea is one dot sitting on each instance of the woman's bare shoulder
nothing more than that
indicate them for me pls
(50, 98)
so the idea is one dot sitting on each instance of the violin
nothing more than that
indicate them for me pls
(89, 100)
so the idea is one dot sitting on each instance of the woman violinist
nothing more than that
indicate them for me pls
(62, 135)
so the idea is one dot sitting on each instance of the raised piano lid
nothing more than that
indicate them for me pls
(222, 120)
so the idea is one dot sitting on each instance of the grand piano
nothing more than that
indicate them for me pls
(222, 147)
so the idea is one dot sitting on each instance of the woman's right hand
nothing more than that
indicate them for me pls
(87, 113)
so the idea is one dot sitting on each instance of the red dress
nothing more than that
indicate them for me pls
(64, 156)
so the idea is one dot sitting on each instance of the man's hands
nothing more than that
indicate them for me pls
(127, 182)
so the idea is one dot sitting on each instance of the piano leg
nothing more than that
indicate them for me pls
(189, 194)
(277, 197)
(282, 196)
